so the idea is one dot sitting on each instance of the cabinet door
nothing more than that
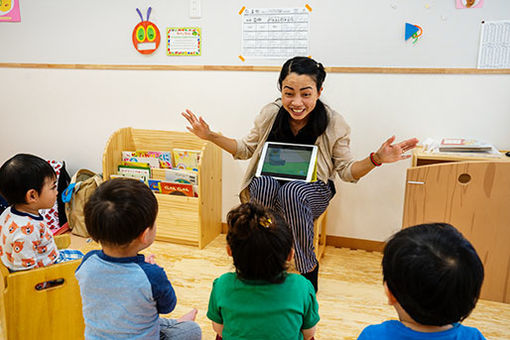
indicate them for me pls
(178, 220)
(475, 198)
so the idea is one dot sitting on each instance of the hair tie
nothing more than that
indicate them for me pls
(265, 222)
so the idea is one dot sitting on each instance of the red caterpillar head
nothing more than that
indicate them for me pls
(146, 36)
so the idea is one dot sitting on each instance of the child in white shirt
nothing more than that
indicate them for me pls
(28, 183)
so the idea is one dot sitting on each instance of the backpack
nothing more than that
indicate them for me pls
(55, 217)
(83, 184)
(3, 204)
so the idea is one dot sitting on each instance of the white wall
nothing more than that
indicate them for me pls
(69, 115)
(342, 32)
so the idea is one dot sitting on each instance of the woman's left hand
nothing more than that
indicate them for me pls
(389, 153)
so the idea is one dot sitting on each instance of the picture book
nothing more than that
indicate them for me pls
(180, 189)
(60, 230)
(156, 159)
(181, 176)
(463, 145)
(154, 185)
(136, 164)
(127, 176)
(136, 172)
(186, 159)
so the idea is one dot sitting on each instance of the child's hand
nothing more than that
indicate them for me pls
(151, 259)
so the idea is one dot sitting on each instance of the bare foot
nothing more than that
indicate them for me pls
(190, 316)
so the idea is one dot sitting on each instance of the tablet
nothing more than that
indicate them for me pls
(288, 162)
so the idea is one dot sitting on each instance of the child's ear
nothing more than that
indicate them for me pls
(391, 298)
(144, 236)
(291, 254)
(229, 251)
(31, 196)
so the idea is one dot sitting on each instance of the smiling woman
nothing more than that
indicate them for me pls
(300, 117)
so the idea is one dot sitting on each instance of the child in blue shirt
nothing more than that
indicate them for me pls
(122, 294)
(432, 277)
(261, 300)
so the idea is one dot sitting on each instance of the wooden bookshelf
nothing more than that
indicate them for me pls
(185, 220)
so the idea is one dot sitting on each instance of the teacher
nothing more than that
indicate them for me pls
(300, 117)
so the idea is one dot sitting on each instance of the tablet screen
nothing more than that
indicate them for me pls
(287, 161)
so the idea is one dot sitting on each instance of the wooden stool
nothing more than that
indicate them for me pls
(52, 313)
(319, 235)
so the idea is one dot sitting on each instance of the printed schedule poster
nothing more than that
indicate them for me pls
(275, 32)
(494, 51)
(184, 41)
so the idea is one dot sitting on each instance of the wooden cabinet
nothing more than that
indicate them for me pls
(421, 158)
(186, 220)
(473, 196)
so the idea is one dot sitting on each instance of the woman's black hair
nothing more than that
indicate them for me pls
(119, 210)
(318, 120)
(261, 242)
(303, 65)
(433, 272)
(22, 173)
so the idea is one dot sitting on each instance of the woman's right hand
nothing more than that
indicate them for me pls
(198, 125)
(201, 129)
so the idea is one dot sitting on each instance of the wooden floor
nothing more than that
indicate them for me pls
(350, 289)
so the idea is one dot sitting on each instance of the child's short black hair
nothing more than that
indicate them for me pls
(22, 173)
(119, 210)
(433, 272)
(261, 242)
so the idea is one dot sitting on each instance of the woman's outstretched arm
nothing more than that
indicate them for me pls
(201, 129)
(387, 153)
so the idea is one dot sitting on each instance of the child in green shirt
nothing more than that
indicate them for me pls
(261, 300)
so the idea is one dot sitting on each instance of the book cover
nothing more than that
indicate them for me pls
(156, 159)
(136, 172)
(181, 176)
(180, 189)
(136, 164)
(461, 144)
(154, 185)
(128, 176)
(186, 159)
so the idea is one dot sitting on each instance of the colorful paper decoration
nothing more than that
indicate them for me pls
(146, 36)
(469, 4)
(9, 10)
(184, 41)
(413, 31)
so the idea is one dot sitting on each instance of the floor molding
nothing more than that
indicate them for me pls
(354, 243)
(342, 242)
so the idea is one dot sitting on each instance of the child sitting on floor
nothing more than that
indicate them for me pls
(122, 294)
(261, 300)
(28, 183)
(432, 277)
